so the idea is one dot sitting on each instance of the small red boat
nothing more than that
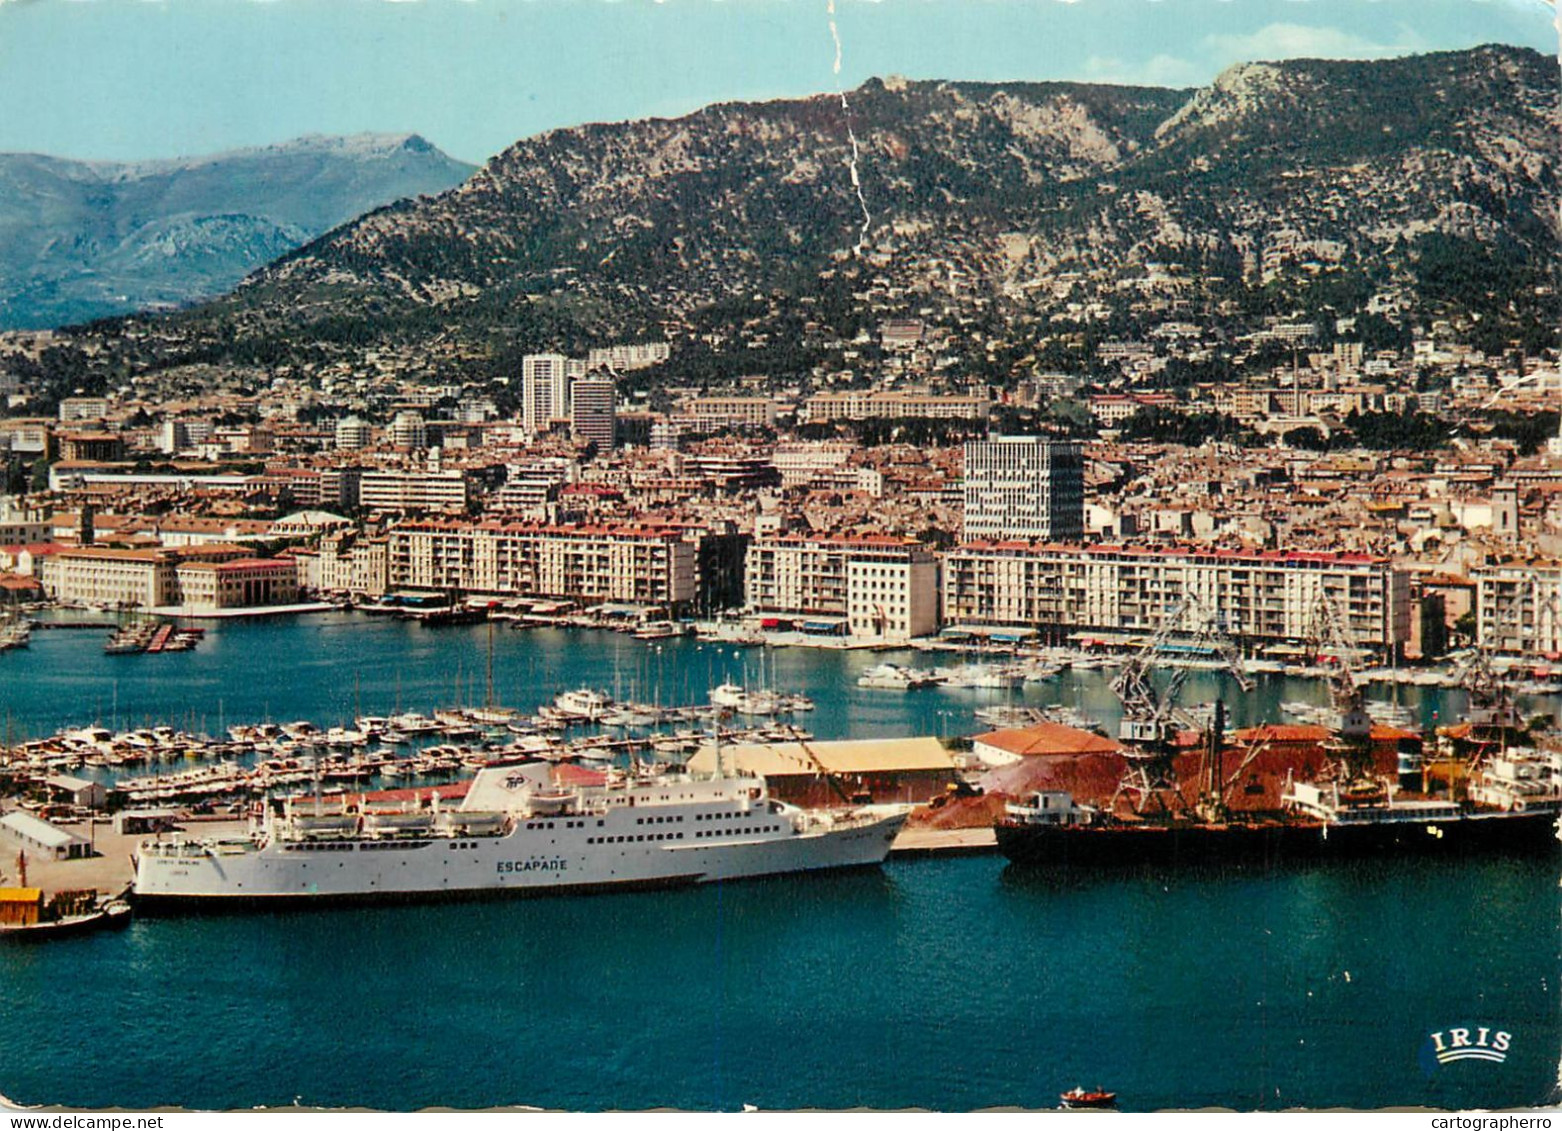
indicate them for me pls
(1078, 1098)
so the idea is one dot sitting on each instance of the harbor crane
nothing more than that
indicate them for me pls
(1493, 716)
(1333, 647)
(1151, 718)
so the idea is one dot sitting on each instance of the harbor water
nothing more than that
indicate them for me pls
(942, 983)
(329, 667)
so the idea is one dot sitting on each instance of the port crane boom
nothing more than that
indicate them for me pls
(1151, 718)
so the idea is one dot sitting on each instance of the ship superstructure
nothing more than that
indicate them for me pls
(518, 830)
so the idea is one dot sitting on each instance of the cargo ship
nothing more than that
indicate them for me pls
(1512, 805)
(1511, 800)
(519, 830)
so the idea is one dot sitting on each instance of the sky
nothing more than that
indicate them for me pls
(138, 79)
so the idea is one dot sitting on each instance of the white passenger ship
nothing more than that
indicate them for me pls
(520, 831)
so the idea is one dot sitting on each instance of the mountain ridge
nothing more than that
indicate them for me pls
(1307, 186)
(82, 239)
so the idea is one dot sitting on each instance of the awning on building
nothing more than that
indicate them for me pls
(618, 610)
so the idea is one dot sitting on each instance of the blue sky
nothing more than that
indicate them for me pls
(129, 79)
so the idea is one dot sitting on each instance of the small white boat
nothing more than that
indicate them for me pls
(894, 677)
(584, 704)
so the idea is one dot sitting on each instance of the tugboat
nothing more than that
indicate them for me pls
(1077, 1099)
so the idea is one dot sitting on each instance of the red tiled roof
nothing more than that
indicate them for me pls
(1048, 738)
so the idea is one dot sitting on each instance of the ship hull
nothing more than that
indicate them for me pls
(535, 858)
(1270, 843)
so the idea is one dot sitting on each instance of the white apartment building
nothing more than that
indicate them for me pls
(201, 578)
(20, 526)
(412, 490)
(1024, 487)
(110, 578)
(1519, 608)
(544, 390)
(641, 565)
(801, 462)
(76, 409)
(346, 562)
(407, 431)
(721, 412)
(863, 404)
(1260, 597)
(627, 358)
(873, 587)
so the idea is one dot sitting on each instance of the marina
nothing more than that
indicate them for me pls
(558, 692)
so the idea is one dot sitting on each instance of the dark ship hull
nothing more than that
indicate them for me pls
(1277, 841)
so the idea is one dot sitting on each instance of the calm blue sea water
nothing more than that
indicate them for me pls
(329, 667)
(947, 984)
(950, 984)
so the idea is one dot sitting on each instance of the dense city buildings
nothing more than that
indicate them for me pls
(195, 580)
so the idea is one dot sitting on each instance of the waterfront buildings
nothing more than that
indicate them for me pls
(642, 565)
(1520, 608)
(205, 586)
(201, 578)
(109, 577)
(888, 770)
(1024, 487)
(1260, 597)
(346, 562)
(879, 587)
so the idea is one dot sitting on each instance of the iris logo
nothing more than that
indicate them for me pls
(1456, 1044)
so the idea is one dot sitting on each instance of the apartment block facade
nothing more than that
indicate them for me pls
(197, 578)
(722, 412)
(592, 411)
(635, 565)
(1519, 608)
(544, 390)
(872, 587)
(1024, 487)
(1265, 597)
(864, 404)
(412, 490)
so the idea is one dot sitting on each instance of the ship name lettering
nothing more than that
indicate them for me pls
(557, 864)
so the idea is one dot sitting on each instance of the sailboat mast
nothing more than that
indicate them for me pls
(488, 694)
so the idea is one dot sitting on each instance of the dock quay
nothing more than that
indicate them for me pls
(109, 872)
(915, 841)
